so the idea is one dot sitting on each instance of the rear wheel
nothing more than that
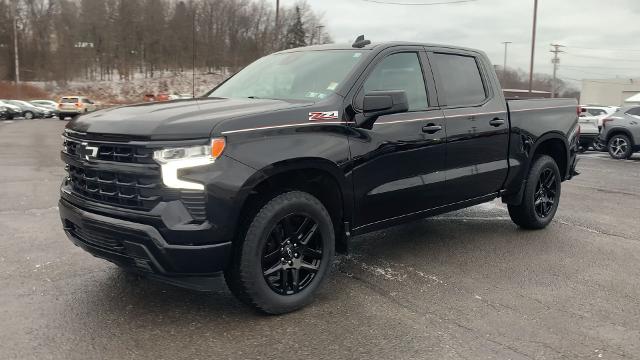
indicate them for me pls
(619, 147)
(285, 254)
(541, 195)
(62, 117)
(599, 145)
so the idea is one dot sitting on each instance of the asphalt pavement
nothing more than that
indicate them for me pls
(465, 285)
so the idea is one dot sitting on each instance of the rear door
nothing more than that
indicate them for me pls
(398, 162)
(476, 121)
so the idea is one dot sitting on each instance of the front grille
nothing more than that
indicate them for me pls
(139, 192)
(112, 152)
(105, 179)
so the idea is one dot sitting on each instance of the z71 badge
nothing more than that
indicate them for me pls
(323, 115)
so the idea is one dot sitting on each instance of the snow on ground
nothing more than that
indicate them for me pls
(118, 91)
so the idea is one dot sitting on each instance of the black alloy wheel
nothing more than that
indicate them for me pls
(541, 195)
(545, 195)
(292, 254)
(283, 253)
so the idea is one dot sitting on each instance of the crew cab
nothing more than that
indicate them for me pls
(266, 176)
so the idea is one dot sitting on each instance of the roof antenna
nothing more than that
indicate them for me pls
(360, 42)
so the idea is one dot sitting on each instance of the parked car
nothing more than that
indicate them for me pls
(263, 180)
(28, 111)
(72, 106)
(51, 106)
(621, 132)
(600, 113)
(588, 130)
(12, 110)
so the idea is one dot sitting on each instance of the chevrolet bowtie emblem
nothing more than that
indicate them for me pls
(89, 152)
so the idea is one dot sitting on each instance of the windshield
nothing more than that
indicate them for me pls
(304, 75)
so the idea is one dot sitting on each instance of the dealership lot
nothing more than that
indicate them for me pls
(469, 284)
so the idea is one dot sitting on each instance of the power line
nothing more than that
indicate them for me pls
(599, 81)
(419, 4)
(599, 67)
(602, 58)
(570, 68)
(600, 49)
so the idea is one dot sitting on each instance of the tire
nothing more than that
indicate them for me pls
(257, 270)
(61, 117)
(539, 202)
(598, 145)
(619, 147)
(28, 115)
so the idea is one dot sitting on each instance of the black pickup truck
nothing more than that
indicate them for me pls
(266, 176)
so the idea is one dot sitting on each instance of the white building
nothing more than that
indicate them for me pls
(612, 92)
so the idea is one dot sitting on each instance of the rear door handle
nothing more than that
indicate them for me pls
(431, 128)
(496, 122)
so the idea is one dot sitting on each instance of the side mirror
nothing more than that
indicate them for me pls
(383, 102)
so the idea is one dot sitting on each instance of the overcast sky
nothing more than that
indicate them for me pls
(483, 24)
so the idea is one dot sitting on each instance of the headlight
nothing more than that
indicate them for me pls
(173, 159)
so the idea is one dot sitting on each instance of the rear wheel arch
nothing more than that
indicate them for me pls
(617, 131)
(554, 145)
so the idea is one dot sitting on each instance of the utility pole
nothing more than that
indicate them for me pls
(504, 67)
(533, 43)
(15, 46)
(319, 30)
(277, 31)
(555, 61)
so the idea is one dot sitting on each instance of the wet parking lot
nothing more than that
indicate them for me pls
(465, 285)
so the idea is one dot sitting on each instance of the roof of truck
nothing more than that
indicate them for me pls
(373, 45)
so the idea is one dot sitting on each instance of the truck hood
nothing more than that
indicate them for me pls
(173, 120)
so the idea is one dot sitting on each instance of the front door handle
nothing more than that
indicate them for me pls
(431, 128)
(496, 122)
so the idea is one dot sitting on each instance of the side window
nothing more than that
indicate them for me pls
(461, 79)
(400, 71)
(634, 111)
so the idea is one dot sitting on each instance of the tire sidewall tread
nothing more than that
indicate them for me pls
(524, 215)
(244, 276)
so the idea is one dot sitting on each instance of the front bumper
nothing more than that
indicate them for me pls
(141, 248)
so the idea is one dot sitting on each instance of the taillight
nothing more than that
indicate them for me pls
(78, 105)
(578, 111)
(605, 121)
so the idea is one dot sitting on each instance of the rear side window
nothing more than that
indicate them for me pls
(69, 100)
(460, 78)
(634, 111)
(86, 101)
(400, 71)
(596, 112)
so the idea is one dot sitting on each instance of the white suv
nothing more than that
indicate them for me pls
(591, 123)
(71, 106)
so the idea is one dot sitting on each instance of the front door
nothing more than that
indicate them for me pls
(398, 162)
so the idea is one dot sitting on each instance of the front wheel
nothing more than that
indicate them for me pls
(285, 254)
(28, 115)
(541, 195)
(619, 147)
